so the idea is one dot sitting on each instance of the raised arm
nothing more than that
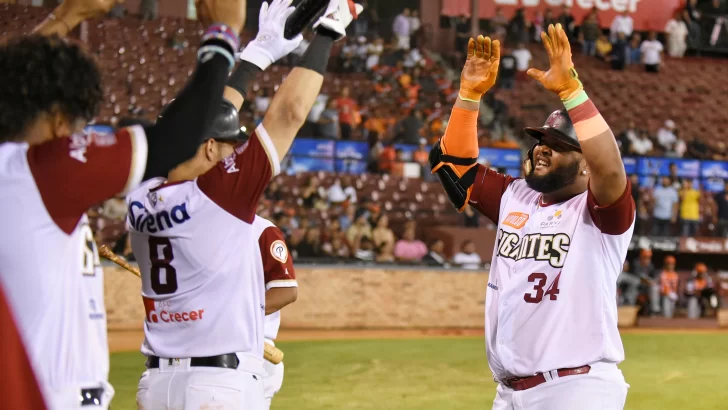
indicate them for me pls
(454, 158)
(608, 179)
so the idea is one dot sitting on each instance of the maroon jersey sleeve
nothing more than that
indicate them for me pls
(20, 389)
(616, 218)
(238, 181)
(76, 172)
(488, 190)
(277, 261)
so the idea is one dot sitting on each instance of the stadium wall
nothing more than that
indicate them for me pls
(345, 297)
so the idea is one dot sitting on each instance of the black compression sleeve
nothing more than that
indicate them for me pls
(318, 52)
(178, 133)
(242, 76)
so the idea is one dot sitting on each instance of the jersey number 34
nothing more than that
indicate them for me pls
(537, 295)
(161, 256)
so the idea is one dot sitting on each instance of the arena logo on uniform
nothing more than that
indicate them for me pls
(516, 220)
(279, 251)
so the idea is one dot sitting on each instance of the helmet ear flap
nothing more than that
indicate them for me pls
(528, 163)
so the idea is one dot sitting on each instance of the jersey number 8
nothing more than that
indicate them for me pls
(162, 262)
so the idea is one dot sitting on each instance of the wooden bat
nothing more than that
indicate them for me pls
(270, 352)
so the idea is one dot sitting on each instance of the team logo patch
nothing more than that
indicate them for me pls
(516, 220)
(279, 251)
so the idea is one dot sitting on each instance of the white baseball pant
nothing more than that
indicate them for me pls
(70, 398)
(603, 388)
(272, 380)
(182, 387)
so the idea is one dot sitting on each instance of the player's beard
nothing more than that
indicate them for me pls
(558, 178)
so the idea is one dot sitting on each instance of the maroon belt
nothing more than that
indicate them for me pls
(524, 383)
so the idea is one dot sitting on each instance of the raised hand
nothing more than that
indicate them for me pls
(338, 16)
(561, 77)
(481, 68)
(270, 45)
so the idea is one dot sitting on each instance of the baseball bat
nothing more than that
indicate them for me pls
(270, 352)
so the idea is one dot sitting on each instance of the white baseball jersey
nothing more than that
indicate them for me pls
(49, 264)
(276, 267)
(551, 294)
(199, 258)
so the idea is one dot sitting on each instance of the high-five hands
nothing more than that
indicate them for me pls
(270, 45)
(561, 77)
(481, 68)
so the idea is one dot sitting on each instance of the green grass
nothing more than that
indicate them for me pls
(665, 371)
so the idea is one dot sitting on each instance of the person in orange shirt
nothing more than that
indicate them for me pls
(668, 287)
(700, 292)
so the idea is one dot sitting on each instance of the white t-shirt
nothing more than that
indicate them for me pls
(642, 146)
(523, 59)
(374, 51)
(665, 137)
(318, 108)
(651, 50)
(336, 193)
(621, 24)
(467, 260)
(677, 30)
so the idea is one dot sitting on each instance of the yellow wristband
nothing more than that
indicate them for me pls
(468, 99)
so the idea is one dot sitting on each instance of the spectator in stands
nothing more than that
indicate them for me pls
(642, 145)
(507, 70)
(313, 194)
(538, 27)
(310, 246)
(629, 286)
(462, 35)
(328, 122)
(693, 40)
(603, 47)
(697, 148)
(436, 254)
(375, 49)
(651, 50)
(644, 210)
(567, 21)
(677, 32)
(415, 22)
(348, 113)
(359, 229)
(620, 53)
(518, 27)
(523, 58)
(364, 251)
(335, 193)
(548, 18)
(409, 130)
(148, 9)
(692, 8)
(700, 292)
(678, 148)
(382, 235)
(669, 287)
(467, 258)
(645, 270)
(471, 217)
(675, 178)
(666, 135)
(410, 249)
(348, 217)
(347, 56)
(622, 23)
(689, 208)
(589, 34)
(666, 200)
(721, 216)
(635, 53)
(401, 29)
(498, 25)
(336, 248)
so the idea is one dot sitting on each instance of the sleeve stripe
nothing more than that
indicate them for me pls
(289, 283)
(270, 149)
(139, 154)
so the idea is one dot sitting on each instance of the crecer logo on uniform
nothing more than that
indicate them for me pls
(552, 248)
(154, 315)
(616, 5)
(516, 220)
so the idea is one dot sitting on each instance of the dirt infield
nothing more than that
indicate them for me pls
(124, 341)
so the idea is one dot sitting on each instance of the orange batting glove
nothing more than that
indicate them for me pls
(481, 68)
(561, 77)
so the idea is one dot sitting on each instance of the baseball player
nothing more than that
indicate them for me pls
(281, 289)
(52, 172)
(193, 237)
(563, 232)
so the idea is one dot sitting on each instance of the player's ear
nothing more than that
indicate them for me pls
(211, 151)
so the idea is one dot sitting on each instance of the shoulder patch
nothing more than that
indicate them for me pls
(279, 251)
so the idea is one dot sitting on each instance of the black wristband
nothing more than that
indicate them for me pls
(317, 55)
(242, 76)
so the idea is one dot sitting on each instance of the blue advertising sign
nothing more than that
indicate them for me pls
(352, 149)
(501, 158)
(305, 147)
(309, 164)
(687, 168)
(351, 166)
(715, 169)
(714, 184)
(100, 128)
(407, 150)
(630, 165)
(514, 172)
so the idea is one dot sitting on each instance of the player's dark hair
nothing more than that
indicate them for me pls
(41, 74)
